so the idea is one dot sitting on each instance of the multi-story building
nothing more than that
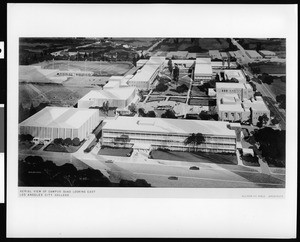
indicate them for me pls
(257, 108)
(59, 122)
(203, 71)
(168, 133)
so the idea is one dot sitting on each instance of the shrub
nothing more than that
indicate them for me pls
(58, 141)
(161, 87)
(76, 141)
(67, 142)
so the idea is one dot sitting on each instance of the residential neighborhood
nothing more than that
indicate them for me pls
(152, 112)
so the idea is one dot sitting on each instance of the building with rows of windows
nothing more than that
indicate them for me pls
(168, 133)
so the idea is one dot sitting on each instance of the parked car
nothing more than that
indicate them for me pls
(173, 178)
(194, 168)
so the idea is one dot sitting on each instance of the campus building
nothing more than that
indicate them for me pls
(257, 108)
(203, 71)
(236, 74)
(116, 97)
(60, 122)
(253, 54)
(243, 90)
(168, 133)
(267, 54)
(230, 108)
(147, 74)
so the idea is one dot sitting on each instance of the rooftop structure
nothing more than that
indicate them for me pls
(224, 55)
(237, 74)
(60, 122)
(178, 54)
(267, 53)
(253, 54)
(203, 71)
(215, 54)
(116, 97)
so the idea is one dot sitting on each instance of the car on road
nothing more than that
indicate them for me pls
(109, 161)
(88, 149)
(173, 178)
(194, 168)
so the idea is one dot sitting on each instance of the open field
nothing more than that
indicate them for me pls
(139, 43)
(266, 44)
(98, 67)
(115, 151)
(57, 95)
(277, 87)
(200, 157)
(200, 45)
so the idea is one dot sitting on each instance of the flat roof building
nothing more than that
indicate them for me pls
(267, 54)
(243, 90)
(203, 71)
(236, 74)
(253, 54)
(116, 97)
(60, 122)
(169, 133)
(215, 54)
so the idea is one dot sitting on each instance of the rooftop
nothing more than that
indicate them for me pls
(144, 74)
(160, 125)
(60, 117)
(115, 93)
(203, 66)
(230, 85)
(237, 74)
(215, 54)
(267, 52)
(253, 53)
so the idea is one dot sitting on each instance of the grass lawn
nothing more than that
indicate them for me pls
(250, 161)
(37, 147)
(61, 148)
(201, 157)
(177, 99)
(202, 102)
(277, 87)
(115, 151)
(196, 92)
(25, 145)
(155, 98)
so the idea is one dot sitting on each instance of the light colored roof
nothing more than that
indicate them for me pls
(203, 66)
(253, 53)
(267, 52)
(110, 94)
(172, 126)
(144, 74)
(230, 85)
(224, 54)
(215, 54)
(116, 78)
(237, 74)
(228, 100)
(111, 84)
(60, 117)
(237, 107)
(259, 106)
(216, 64)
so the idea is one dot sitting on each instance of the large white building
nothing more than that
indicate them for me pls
(257, 108)
(116, 97)
(243, 90)
(236, 74)
(203, 71)
(60, 122)
(168, 133)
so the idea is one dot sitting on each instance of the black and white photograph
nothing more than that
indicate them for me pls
(152, 112)
(151, 120)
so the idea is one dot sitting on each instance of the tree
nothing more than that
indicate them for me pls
(281, 99)
(176, 73)
(182, 88)
(168, 114)
(141, 112)
(151, 114)
(203, 115)
(58, 141)
(262, 120)
(76, 141)
(274, 121)
(253, 86)
(161, 87)
(195, 140)
(170, 66)
(271, 143)
(132, 108)
(134, 60)
(67, 142)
